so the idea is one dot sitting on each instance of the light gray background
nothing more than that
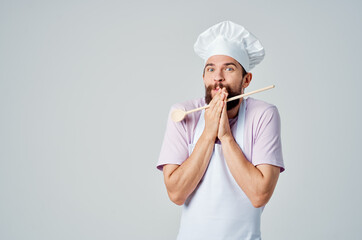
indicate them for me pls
(86, 86)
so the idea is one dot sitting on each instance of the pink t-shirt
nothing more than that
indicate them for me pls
(262, 142)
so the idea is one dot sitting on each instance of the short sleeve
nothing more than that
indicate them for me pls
(174, 148)
(267, 146)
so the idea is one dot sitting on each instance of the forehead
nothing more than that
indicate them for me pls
(220, 59)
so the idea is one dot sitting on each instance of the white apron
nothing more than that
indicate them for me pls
(218, 208)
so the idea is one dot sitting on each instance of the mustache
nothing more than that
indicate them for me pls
(215, 87)
(231, 93)
(218, 85)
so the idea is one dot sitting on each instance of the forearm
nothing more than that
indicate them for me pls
(184, 179)
(249, 178)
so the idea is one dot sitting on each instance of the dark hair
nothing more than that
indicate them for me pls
(243, 71)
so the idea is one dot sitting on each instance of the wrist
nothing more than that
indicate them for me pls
(226, 139)
(208, 137)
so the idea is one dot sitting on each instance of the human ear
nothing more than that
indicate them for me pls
(247, 80)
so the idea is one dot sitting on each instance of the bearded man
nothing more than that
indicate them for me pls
(222, 164)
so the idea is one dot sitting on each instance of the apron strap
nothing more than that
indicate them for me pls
(239, 132)
(199, 127)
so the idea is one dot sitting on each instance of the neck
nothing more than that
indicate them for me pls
(232, 113)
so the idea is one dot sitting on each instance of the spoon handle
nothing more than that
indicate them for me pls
(233, 98)
(250, 93)
(197, 109)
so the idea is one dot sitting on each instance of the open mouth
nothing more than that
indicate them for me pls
(217, 88)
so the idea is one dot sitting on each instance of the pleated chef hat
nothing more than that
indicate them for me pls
(233, 40)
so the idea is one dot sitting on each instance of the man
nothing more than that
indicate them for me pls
(222, 164)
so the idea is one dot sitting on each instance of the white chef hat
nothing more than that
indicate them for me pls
(233, 40)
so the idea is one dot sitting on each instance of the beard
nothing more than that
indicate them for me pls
(231, 93)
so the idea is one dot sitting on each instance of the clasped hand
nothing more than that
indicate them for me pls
(216, 118)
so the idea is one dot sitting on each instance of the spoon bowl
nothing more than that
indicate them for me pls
(178, 115)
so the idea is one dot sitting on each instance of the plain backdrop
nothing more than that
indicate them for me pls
(86, 87)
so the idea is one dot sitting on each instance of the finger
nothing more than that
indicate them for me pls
(225, 93)
(224, 119)
(219, 107)
(211, 107)
(217, 98)
(215, 102)
(224, 110)
(226, 96)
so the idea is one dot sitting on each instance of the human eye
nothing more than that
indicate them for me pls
(210, 69)
(229, 69)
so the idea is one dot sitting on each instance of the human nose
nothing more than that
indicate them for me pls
(219, 76)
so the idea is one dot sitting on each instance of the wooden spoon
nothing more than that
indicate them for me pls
(178, 115)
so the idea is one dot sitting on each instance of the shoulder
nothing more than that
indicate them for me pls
(260, 114)
(186, 127)
(259, 108)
